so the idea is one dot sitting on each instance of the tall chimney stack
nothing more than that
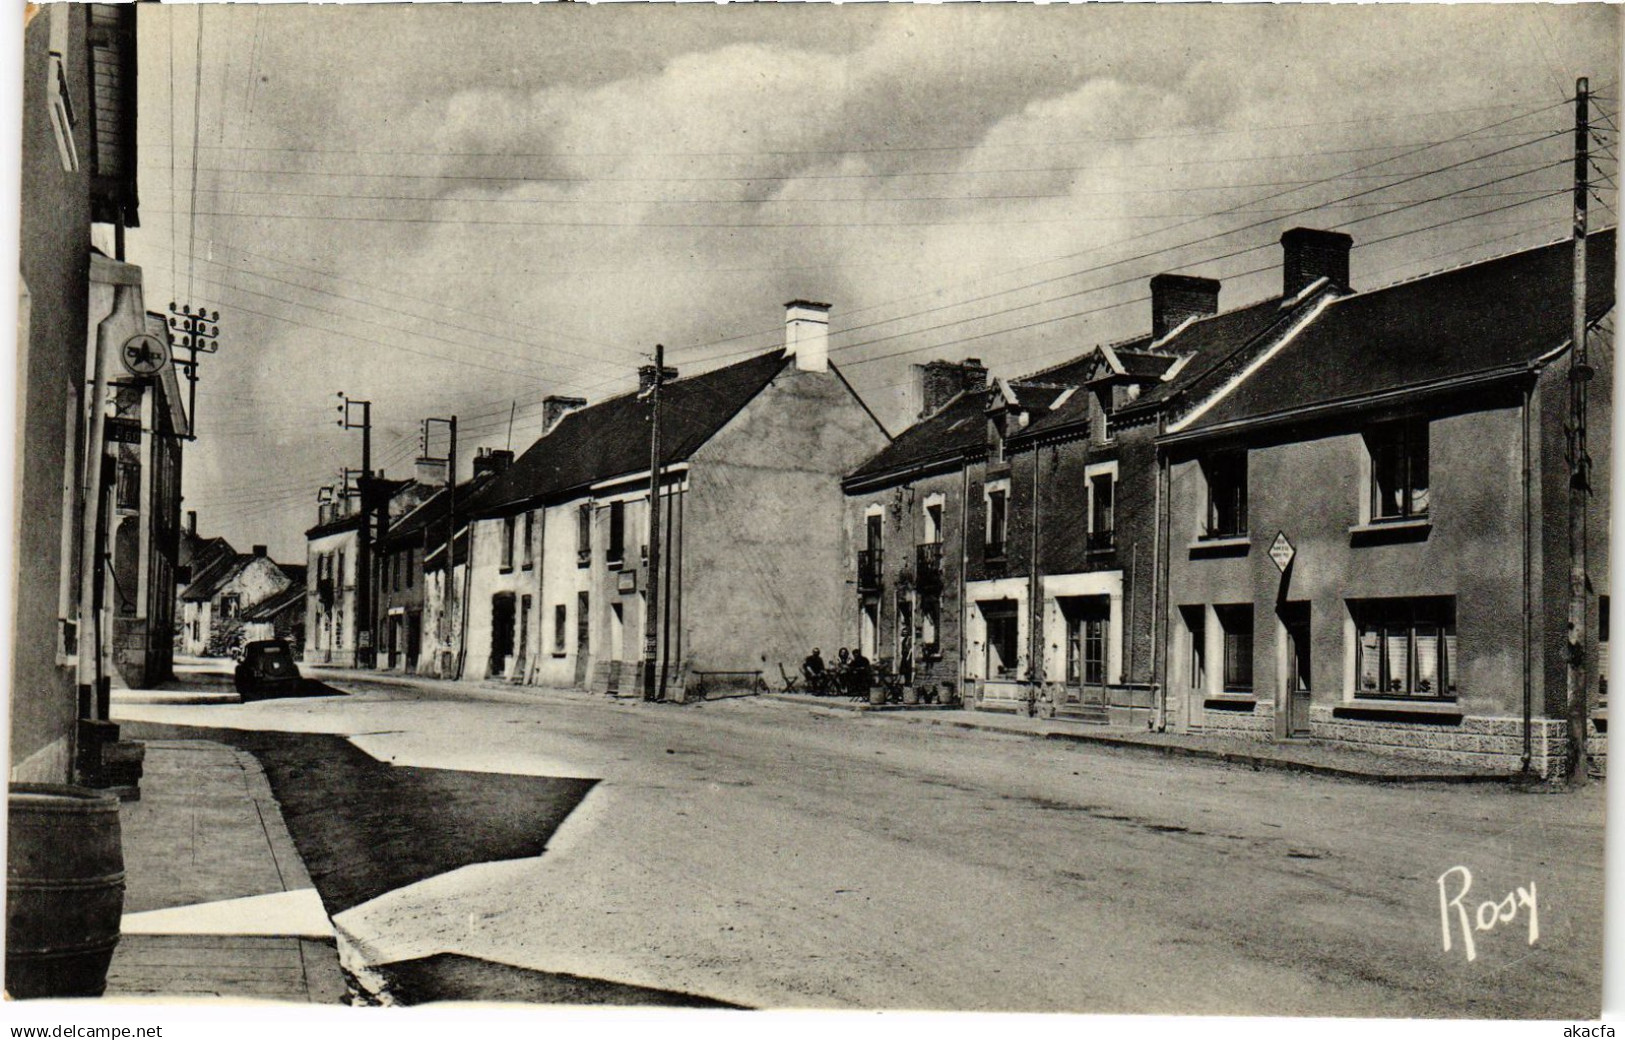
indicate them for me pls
(1308, 254)
(1176, 298)
(806, 335)
(937, 382)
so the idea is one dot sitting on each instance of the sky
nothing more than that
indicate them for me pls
(460, 209)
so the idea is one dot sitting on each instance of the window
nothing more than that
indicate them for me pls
(1105, 402)
(930, 627)
(998, 520)
(128, 490)
(1195, 619)
(228, 606)
(933, 523)
(1407, 647)
(508, 526)
(1000, 618)
(1100, 511)
(561, 624)
(1399, 471)
(615, 551)
(584, 534)
(529, 551)
(339, 574)
(1236, 622)
(56, 88)
(411, 566)
(583, 631)
(1226, 494)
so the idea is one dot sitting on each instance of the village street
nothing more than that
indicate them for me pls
(769, 854)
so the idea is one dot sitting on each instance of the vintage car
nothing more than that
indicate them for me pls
(267, 670)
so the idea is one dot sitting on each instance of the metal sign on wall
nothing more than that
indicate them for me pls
(1282, 552)
(144, 355)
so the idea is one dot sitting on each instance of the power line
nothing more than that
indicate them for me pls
(784, 177)
(847, 150)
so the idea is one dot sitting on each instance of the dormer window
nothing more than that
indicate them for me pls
(1105, 405)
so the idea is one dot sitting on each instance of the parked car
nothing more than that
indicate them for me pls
(267, 669)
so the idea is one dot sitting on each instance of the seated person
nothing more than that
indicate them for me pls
(813, 668)
(859, 672)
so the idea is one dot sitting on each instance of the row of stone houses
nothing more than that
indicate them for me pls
(1332, 513)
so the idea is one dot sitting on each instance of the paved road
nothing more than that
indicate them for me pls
(772, 855)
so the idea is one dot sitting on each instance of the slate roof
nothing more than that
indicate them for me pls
(946, 435)
(209, 581)
(611, 438)
(1503, 312)
(1208, 342)
(195, 551)
(431, 514)
(291, 597)
(343, 523)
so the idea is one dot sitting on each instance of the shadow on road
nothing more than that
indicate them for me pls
(452, 976)
(366, 827)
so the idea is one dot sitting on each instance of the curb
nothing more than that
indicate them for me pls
(847, 704)
(1255, 762)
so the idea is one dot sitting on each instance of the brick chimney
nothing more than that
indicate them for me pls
(556, 407)
(936, 382)
(1176, 298)
(806, 335)
(1308, 254)
(260, 551)
(492, 460)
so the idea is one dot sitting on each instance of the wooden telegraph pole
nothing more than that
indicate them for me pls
(651, 601)
(1580, 373)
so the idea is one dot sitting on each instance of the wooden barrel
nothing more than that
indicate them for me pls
(64, 890)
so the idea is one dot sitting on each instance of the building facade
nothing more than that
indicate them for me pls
(1396, 573)
(75, 300)
(749, 451)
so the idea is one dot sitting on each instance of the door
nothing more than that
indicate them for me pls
(582, 630)
(1298, 685)
(1088, 623)
(904, 665)
(502, 618)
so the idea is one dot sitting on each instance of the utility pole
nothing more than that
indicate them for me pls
(656, 375)
(199, 333)
(1580, 373)
(363, 634)
(451, 521)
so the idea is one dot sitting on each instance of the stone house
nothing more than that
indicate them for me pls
(216, 605)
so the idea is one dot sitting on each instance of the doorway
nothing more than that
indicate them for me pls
(582, 638)
(502, 618)
(1299, 682)
(1088, 623)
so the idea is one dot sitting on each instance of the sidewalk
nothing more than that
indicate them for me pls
(1299, 756)
(218, 902)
